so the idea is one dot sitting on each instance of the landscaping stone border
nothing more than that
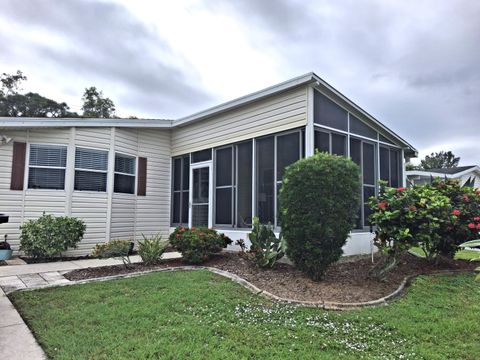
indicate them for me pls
(327, 305)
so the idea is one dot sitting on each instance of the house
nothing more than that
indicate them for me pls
(216, 168)
(468, 175)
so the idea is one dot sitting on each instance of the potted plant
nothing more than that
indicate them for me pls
(5, 250)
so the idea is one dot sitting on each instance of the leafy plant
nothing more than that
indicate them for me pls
(114, 248)
(151, 249)
(198, 244)
(266, 248)
(49, 236)
(319, 200)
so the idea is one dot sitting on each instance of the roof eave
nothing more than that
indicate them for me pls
(19, 123)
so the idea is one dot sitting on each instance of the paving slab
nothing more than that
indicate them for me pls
(33, 280)
(10, 316)
(54, 278)
(17, 342)
(11, 283)
(15, 261)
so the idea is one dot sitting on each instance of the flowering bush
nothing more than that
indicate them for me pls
(198, 244)
(435, 217)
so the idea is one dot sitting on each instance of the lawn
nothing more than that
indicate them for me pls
(200, 315)
(460, 255)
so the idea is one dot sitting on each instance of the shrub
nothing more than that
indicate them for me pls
(433, 216)
(152, 249)
(49, 236)
(114, 248)
(198, 244)
(319, 201)
(266, 248)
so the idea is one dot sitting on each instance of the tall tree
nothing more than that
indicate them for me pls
(13, 104)
(440, 160)
(95, 105)
(10, 83)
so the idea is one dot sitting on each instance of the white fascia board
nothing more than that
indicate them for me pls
(286, 85)
(474, 169)
(19, 122)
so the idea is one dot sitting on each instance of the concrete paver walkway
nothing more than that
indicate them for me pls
(16, 340)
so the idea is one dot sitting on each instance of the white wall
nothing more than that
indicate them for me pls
(276, 113)
(131, 215)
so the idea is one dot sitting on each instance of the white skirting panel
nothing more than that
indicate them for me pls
(358, 243)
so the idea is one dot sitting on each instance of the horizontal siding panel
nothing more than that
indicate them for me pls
(277, 113)
(93, 138)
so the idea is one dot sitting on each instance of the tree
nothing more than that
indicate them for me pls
(10, 84)
(33, 105)
(440, 160)
(95, 105)
(13, 104)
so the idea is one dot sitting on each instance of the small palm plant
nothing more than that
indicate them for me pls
(473, 244)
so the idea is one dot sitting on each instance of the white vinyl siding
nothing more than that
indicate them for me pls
(276, 113)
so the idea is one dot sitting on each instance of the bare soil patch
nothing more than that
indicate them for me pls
(345, 281)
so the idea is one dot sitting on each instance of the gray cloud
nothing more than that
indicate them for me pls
(414, 65)
(109, 43)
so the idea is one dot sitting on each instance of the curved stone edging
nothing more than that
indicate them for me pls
(327, 305)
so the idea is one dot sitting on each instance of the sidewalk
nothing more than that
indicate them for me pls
(16, 340)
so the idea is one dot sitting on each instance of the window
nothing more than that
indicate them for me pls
(203, 155)
(265, 179)
(244, 184)
(331, 142)
(224, 186)
(360, 128)
(181, 183)
(328, 113)
(91, 169)
(124, 181)
(46, 169)
(390, 166)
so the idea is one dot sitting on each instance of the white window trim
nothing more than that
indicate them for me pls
(134, 175)
(90, 170)
(28, 166)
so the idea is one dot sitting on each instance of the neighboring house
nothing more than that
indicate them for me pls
(217, 168)
(468, 175)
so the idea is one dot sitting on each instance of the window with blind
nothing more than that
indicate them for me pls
(46, 167)
(125, 168)
(91, 169)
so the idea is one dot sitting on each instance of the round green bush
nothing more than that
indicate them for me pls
(319, 202)
(198, 244)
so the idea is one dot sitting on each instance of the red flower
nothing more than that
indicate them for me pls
(382, 205)
(466, 198)
(471, 226)
(412, 208)
(401, 189)
(456, 212)
(477, 218)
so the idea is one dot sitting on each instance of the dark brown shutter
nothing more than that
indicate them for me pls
(142, 176)
(18, 166)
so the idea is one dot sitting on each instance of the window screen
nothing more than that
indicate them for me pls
(47, 167)
(181, 184)
(224, 187)
(322, 141)
(360, 128)
(203, 155)
(339, 144)
(328, 113)
(124, 181)
(265, 179)
(288, 151)
(91, 169)
(244, 184)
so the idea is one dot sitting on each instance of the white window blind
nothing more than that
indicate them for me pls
(47, 167)
(91, 167)
(125, 168)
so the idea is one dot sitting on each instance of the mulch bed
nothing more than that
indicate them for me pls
(345, 281)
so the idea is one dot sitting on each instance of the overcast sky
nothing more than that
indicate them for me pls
(415, 65)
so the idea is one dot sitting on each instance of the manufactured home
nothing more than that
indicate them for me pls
(466, 175)
(217, 168)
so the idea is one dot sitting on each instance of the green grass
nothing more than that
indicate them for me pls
(199, 315)
(460, 255)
